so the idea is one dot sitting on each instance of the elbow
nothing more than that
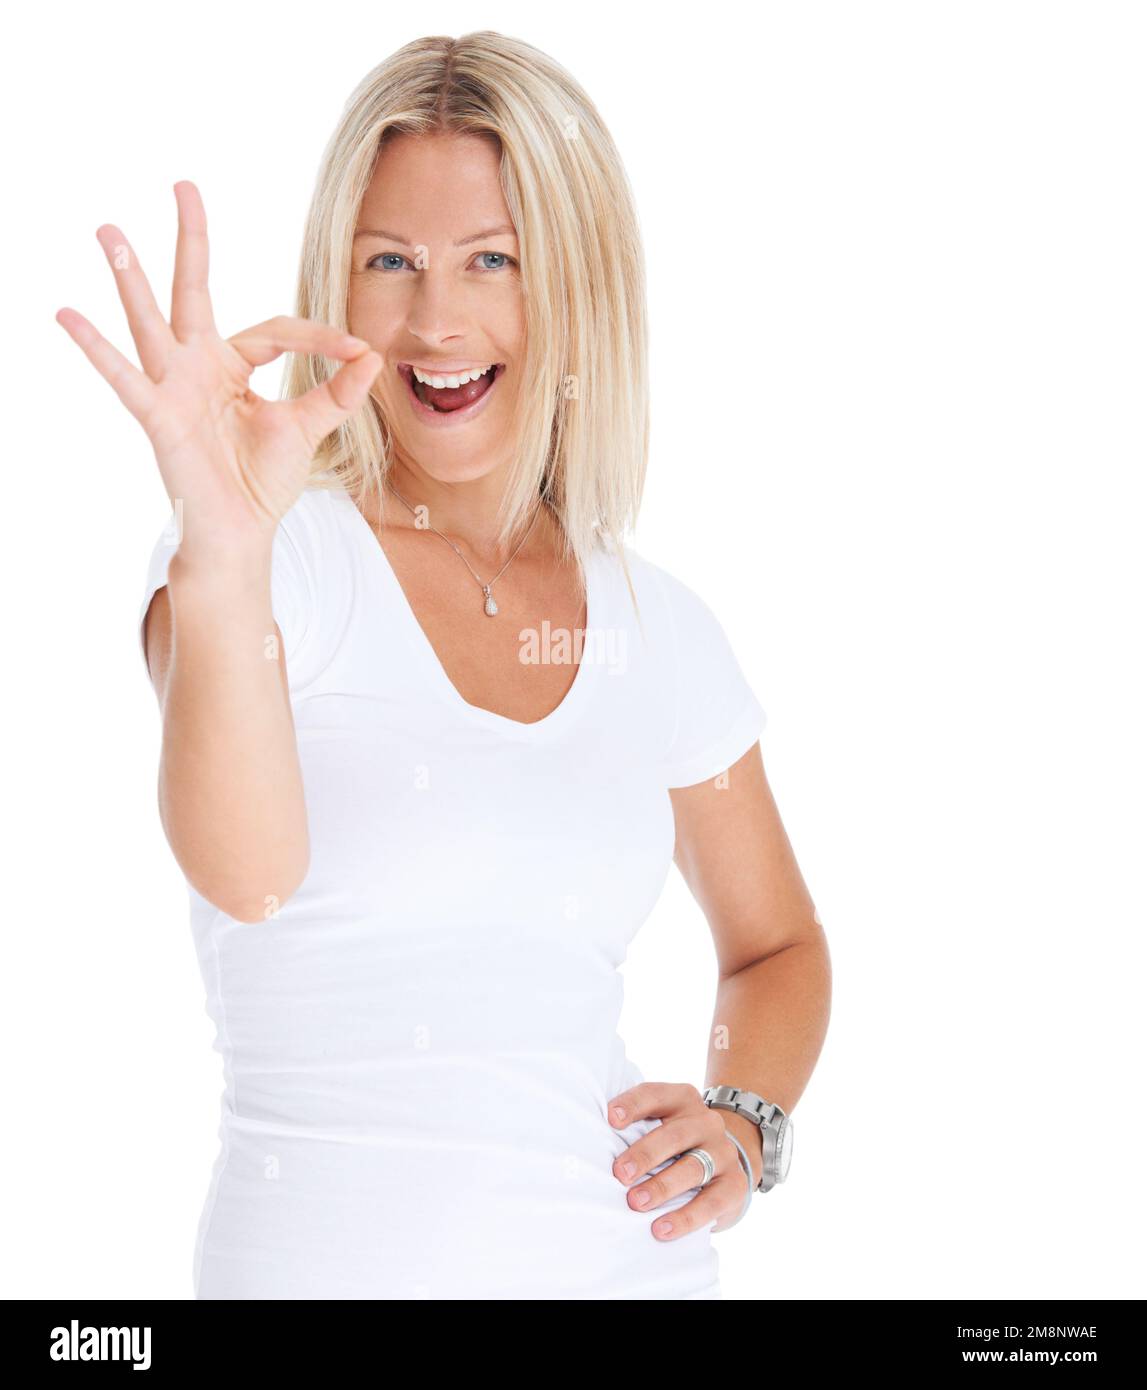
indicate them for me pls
(252, 907)
(251, 913)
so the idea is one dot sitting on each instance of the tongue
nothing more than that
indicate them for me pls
(455, 397)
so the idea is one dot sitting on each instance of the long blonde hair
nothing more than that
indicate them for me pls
(584, 423)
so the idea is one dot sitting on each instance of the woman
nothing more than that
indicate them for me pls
(432, 732)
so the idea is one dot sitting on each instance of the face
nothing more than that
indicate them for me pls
(435, 290)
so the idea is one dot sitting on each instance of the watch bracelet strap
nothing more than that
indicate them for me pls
(760, 1114)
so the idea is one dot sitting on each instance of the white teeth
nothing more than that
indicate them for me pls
(454, 380)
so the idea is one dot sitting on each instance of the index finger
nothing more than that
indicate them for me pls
(190, 300)
(649, 1100)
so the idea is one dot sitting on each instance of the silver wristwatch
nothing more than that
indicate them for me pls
(776, 1129)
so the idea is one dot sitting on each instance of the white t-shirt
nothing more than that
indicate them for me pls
(419, 1048)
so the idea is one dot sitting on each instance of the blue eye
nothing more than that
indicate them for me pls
(393, 256)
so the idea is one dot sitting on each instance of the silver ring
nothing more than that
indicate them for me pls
(706, 1162)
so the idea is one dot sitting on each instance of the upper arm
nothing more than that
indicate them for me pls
(157, 640)
(734, 853)
(731, 847)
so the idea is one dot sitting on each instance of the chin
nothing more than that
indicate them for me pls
(454, 456)
(466, 469)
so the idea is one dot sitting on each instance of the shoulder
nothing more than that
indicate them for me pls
(312, 580)
(683, 631)
(310, 526)
(664, 598)
(314, 545)
(715, 714)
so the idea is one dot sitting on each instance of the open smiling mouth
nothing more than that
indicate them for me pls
(446, 398)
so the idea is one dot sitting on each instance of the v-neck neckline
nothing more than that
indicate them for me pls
(422, 647)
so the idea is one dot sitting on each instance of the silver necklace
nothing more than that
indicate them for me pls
(490, 606)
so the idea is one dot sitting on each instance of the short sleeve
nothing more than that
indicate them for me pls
(291, 586)
(717, 716)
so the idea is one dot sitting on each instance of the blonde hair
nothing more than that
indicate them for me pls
(583, 425)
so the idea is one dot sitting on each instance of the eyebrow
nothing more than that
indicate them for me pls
(503, 230)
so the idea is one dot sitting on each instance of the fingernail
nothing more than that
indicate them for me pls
(663, 1228)
(628, 1169)
(618, 1113)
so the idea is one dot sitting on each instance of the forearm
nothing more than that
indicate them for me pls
(769, 1026)
(230, 789)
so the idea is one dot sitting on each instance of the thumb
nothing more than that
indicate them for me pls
(326, 406)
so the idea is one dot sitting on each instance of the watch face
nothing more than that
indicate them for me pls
(784, 1152)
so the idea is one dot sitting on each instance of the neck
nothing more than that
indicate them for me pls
(467, 512)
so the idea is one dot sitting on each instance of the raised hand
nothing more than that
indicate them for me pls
(237, 461)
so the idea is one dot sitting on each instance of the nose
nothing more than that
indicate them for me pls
(436, 313)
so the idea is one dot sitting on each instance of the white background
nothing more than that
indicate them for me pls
(896, 258)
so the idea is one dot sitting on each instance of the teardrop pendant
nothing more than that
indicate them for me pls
(491, 606)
